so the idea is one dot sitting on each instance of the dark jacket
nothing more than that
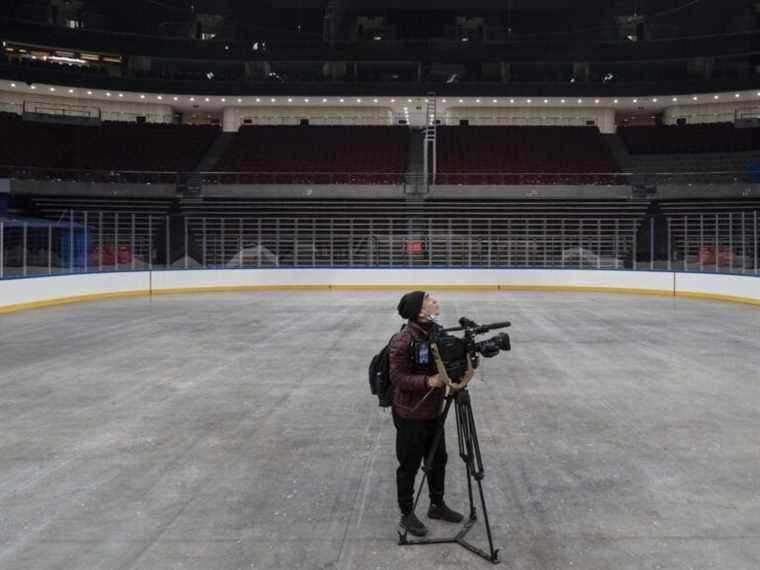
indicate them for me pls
(408, 377)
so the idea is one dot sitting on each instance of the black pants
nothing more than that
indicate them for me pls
(414, 440)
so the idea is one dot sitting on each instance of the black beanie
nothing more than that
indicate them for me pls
(410, 305)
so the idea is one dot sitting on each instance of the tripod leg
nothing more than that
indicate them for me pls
(464, 452)
(494, 553)
(474, 462)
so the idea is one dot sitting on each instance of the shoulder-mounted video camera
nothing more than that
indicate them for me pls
(460, 355)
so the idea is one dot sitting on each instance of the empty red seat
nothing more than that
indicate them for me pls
(522, 155)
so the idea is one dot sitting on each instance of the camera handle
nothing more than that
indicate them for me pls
(445, 376)
(447, 381)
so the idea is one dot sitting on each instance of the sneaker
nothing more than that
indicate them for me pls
(443, 512)
(411, 523)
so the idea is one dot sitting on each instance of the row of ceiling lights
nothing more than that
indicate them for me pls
(359, 100)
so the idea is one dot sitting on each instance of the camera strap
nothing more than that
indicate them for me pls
(450, 384)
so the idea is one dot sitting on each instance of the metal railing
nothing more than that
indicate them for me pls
(633, 178)
(87, 241)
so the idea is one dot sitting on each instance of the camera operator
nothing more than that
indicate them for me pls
(418, 396)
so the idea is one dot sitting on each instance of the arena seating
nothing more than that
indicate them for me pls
(112, 146)
(316, 155)
(523, 155)
(682, 139)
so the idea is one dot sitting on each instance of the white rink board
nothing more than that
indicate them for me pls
(360, 278)
(59, 287)
(38, 291)
(705, 284)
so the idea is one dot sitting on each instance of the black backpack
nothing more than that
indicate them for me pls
(380, 377)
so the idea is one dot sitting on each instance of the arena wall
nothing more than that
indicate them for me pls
(32, 292)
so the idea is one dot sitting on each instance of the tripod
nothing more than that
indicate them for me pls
(469, 451)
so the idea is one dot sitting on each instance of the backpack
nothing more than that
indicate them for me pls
(380, 377)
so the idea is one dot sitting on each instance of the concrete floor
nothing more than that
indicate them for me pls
(225, 431)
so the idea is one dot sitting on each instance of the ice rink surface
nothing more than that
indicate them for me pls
(235, 430)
